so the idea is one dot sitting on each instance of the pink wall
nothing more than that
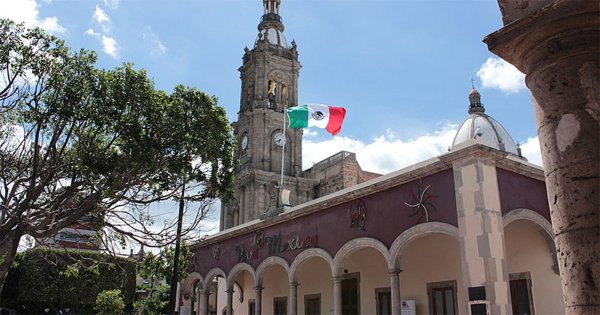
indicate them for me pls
(387, 217)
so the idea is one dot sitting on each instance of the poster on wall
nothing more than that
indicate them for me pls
(408, 307)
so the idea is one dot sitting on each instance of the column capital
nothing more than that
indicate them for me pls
(229, 291)
(294, 284)
(258, 288)
(394, 272)
(527, 42)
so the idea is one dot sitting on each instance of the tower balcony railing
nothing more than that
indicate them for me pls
(271, 17)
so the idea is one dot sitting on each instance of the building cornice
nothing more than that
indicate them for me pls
(471, 150)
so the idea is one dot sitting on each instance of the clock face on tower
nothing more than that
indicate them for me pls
(279, 138)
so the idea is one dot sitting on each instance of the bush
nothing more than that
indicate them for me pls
(109, 302)
(60, 279)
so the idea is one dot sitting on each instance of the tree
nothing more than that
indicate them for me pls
(61, 279)
(109, 302)
(155, 269)
(78, 142)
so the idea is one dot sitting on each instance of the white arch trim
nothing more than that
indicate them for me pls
(416, 232)
(354, 245)
(529, 215)
(270, 261)
(541, 223)
(236, 270)
(189, 282)
(306, 255)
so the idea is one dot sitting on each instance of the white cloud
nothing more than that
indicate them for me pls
(531, 150)
(158, 48)
(100, 16)
(109, 43)
(110, 46)
(27, 11)
(499, 74)
(113, 4)
(386, 153)
(91, 32)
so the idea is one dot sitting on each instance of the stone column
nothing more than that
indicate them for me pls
(229, 301)
(481, 229)
(337, 295)
(395, 291)
(293, 298)
(203, 303)
(557, 45)
(258, 300)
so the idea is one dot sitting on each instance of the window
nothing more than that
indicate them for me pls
(520, 293)
(442, 298)
(312, 304)
(384, 301)
(251, 307)
(280, 306)
(350, 294)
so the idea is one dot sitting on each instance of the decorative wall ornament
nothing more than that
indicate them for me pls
(274, 244)
(421, 202)
(358, 215)
(216, 252)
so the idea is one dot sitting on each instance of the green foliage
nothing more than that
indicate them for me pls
(78, 141)
(155, 303)
(68, 279)
(155, 268)
(109, 302)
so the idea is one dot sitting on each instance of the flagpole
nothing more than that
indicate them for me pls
(283, 147)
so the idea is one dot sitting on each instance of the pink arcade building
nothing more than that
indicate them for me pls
(467, 232)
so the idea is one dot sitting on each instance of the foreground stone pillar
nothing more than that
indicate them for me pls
(395, 291)
(557, 45)
(337, 296)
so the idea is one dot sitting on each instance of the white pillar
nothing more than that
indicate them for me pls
(395, 291)
(258, 300)
(230, 301)
(293, 298)
(203, 303)
(337, 296)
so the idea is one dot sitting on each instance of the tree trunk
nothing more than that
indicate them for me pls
(8, 251)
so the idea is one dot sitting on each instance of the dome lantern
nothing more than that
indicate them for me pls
(483, 128)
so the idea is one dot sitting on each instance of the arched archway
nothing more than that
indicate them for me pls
(355, 245)
(360, 270)
(416, 232)
(532, 262)
(429, 261)
(306, 255)
(312, 270)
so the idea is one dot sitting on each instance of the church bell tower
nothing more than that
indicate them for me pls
(266, 148)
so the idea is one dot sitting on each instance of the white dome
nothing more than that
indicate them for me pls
(274, 36)
(483, 128)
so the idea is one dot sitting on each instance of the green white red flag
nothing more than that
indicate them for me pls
(317, 115)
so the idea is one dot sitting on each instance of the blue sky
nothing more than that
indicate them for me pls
(402, 69)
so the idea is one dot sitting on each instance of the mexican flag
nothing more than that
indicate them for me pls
(317, 115)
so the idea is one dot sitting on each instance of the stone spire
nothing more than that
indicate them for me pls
(271, 17)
